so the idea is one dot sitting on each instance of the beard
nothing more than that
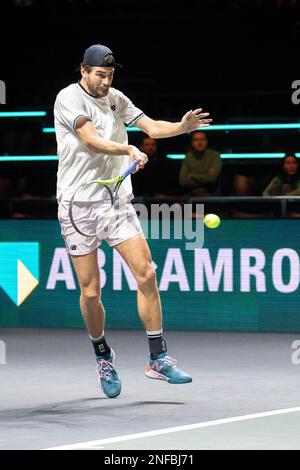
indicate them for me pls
(100, 92)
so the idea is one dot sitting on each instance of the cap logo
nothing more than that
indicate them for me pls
(109, 59)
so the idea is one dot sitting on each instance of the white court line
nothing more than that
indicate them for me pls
(159, 432)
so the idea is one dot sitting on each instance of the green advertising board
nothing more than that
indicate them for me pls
(245, 277)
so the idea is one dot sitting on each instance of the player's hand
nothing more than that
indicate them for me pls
(194, 119)
(135, 154)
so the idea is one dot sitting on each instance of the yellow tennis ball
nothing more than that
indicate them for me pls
(212, 220)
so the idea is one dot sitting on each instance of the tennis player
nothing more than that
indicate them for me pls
(90, 120)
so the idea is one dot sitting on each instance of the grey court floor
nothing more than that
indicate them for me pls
(244, 394)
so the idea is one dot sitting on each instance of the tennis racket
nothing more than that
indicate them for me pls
(85, 218)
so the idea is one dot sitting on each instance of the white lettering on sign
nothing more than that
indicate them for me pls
(174, 261)
(294, 270)
(211, 272)
(204, 269)
(252, 262)
(61, 270)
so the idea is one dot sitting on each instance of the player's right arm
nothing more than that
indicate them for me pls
(87, 132)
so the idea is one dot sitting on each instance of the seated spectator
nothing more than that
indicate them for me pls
(7, 187)
(287, 182)
(201, 168)
(6, 182)
(36, 192)
(152, 181)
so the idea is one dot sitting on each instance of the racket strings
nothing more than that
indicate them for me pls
(94, 216)
(92, 208)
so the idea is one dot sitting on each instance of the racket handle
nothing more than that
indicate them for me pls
(130, 169)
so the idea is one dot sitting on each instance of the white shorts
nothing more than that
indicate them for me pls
(126, 225)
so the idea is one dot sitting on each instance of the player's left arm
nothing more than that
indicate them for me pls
(191, 121)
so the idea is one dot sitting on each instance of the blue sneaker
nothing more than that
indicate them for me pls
(109, 380)
(164, 368)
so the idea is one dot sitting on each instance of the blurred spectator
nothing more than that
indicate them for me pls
(6, 181)
(201, 168)
(152, 180)
(287, 182)
(142, 181)
(149, 147)
(36, 191)
(7, 187)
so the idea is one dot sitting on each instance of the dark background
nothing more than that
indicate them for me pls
(237, 58)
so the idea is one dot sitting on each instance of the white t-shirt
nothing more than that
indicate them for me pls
(77, 163)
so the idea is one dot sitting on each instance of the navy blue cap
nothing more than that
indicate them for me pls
(99, 56)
